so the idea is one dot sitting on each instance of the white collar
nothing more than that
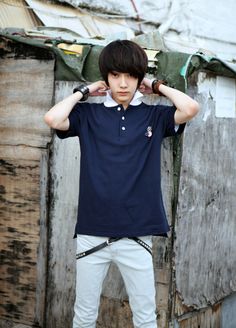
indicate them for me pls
(110, 102)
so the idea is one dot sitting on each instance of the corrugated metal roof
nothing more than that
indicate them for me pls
(185, 25)
(76, 20)
(200, 18)
(14, 13)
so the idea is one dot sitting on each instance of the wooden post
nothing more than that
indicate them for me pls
(26, 90)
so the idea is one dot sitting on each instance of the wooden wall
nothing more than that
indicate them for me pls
(26, 91)
(205, 252)
(194, 268)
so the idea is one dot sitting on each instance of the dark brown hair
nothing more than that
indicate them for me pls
(123, 56)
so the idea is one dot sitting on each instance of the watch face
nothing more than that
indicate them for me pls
(84, 89)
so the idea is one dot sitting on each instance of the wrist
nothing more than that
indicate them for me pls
(156, 86)
(93, 87)
(84, 90)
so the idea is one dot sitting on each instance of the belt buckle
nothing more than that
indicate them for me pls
(109, 241)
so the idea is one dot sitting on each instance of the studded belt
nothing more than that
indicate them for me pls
(110, 241)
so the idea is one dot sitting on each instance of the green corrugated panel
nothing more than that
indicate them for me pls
(175, 67)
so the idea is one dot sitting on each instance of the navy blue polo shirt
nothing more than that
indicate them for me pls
(120, 174)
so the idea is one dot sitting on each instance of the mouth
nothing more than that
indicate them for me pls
(122, 93)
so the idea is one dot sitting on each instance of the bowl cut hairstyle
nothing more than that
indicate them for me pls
(123, 56)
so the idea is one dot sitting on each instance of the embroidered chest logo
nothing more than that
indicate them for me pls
(149, 132)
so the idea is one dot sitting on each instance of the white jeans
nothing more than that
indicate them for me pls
(136, 267)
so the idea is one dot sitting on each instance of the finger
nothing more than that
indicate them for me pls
(142, 87)
(104, 87)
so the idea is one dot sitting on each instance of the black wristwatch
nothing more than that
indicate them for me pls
(84, 90)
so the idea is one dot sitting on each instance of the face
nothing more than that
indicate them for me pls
(123, 87)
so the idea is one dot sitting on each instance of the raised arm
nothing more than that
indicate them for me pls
(57, 116)
(187, 107)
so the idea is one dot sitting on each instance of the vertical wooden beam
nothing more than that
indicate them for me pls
(64, 189)
(26, 91)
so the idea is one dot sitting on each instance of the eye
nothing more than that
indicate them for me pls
(114, 74)
(130, 76)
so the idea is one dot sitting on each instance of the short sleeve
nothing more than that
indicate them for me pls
(170, 128)
(74, 126)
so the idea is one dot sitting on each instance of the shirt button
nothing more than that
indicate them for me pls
(118, 108)
(123, 128)
(123, 118)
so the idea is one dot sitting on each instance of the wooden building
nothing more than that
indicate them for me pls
(39, 174)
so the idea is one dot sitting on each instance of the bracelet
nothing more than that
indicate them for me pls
(84, 90)
(155, 86)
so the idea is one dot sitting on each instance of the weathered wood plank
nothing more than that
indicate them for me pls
(62, 247)
(42, 250)
(64, 189)
(11, 324)
(20, 230)
(26, 91)
(26, 88)
(114, 313)
(209, 317)
(20, 152)
(206, 227)
(228, 313)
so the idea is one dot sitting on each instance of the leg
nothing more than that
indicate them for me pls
(136, 267)
(91, 271)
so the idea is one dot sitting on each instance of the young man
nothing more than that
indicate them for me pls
(120, 201)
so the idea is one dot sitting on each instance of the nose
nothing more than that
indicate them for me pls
(123, 81)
